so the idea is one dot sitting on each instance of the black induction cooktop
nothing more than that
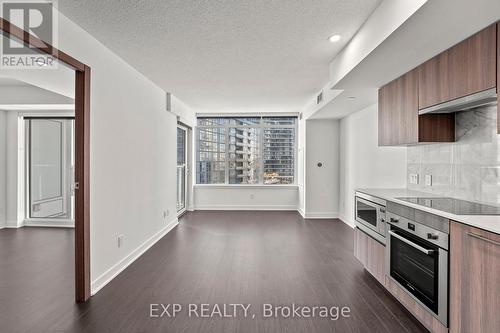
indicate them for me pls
(454, 206)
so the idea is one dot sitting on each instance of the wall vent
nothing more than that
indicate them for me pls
(319, 98)
(168, 98)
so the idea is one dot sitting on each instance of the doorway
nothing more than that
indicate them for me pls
(182, 167)
(82, 150)
(49, 170)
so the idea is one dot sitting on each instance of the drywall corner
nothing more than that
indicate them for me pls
(322, 168)
(363, 164)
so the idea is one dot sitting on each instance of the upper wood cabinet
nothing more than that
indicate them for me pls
(398, 110)
(399, 122)
(466, 68)
(474, 280)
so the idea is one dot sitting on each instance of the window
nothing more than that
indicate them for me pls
(50, 168)
(246, 150)
(181, 168)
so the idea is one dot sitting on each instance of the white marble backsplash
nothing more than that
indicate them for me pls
(468, 168)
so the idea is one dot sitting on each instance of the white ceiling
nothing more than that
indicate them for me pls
(226, 56)
(19, 95)
(10, 82)
(436, 26)
(60, 80)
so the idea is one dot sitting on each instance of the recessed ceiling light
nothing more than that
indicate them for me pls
(334, 38)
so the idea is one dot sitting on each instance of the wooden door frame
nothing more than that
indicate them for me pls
(82, 153)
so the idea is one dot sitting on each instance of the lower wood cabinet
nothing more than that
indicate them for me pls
(474, 280)
(370, 253)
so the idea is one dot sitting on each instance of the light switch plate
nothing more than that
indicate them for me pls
(428, 180)
(413, 178)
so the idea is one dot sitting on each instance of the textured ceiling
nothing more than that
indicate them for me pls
(244, 55)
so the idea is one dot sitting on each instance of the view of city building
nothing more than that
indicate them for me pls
(244, 152)
(257, 150)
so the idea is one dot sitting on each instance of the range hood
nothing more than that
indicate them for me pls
(481, 98)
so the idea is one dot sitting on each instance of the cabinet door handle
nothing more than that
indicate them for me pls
(483, 239)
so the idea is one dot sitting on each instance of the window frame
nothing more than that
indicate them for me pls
(186, 167)
(261, 126)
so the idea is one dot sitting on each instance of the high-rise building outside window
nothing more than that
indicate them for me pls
(246, 150)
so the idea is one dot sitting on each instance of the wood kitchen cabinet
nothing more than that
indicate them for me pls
(466, 68)
(474, 280)
(398, 119)
(398, 110)
(371, 254)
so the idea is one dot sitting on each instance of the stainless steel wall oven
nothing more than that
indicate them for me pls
(417, 259)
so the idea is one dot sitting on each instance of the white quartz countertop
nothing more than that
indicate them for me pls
(486, 222)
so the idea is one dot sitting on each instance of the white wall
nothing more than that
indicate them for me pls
(246, 197)
(322, 183)
(14, 171)
(185, 113)
(133, 166)
(386, 18)
(3, 167)
(363, 163)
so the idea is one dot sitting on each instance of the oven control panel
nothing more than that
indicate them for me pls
(423, 231)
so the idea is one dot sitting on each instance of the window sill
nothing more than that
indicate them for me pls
(247, 186)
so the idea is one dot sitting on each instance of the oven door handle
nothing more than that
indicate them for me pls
(416, 246)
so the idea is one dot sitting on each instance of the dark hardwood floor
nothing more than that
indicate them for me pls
(211, 257)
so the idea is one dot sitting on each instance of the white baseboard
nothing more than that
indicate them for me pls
(12, 225)
(320, 215)
(49, 224)
(116, 269)
(247, 207)
(301, 212)
(311, 215)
